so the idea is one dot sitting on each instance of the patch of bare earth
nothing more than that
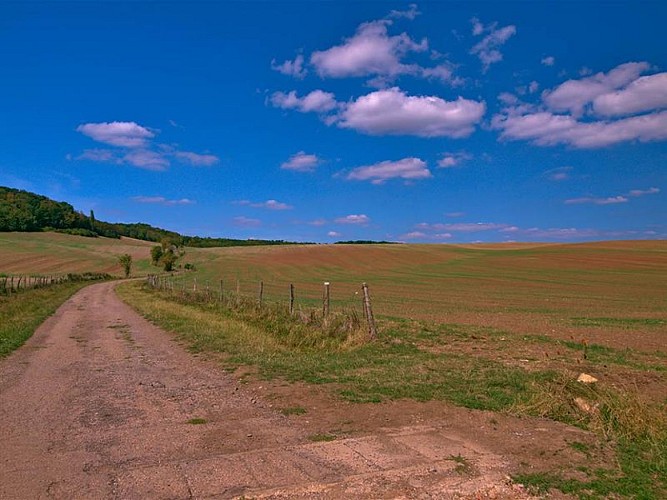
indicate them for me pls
(100, 403)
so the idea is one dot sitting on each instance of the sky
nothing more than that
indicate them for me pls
(434, 122)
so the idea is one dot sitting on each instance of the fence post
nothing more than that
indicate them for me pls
(194, 286)
(261, 293)
(325, 300)
(291, 299)
(368, 311)
(221, 292)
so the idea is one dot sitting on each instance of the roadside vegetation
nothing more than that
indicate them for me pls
(470, 366)
(24, 311)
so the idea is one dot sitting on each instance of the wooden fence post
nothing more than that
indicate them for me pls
(222, 295)
(291, 299)
(368, 311)
(261, 293)
(326, 300)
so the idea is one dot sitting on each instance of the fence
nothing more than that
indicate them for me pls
(260, 294)
(14, 284)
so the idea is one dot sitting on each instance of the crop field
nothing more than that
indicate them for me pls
(53, 253)
(610, 293)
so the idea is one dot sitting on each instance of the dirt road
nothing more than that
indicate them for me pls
(100, 404)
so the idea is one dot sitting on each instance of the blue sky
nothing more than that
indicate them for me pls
(324, 121)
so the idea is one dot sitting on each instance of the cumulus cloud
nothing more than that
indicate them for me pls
(450, 160)
(161, 200)
(316, 101)
(357, 219)
(574, 95)
(371, 51)
(461, 227)
(301, 162)
(134, 147)
(643, 94)
(392, 112)
(333, 234)
(268, 204)
(558, 174)
(613, 200)
(123, 134)
(410, 14)
(644, 192)
(548, 129)
(246, 222)
(487, 50)
(291, 68)
(196, 159)
(549, 60)
(443, 72)
(146, 159)
(592, 112)
(378, 173)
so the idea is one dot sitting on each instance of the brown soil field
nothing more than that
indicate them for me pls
(44, 253)
(608, 293)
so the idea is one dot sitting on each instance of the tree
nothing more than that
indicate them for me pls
(168, 260)
(156, 255)
(125, 260)
(92, 220)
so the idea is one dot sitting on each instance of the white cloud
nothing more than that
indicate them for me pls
(574, 95)
(612, 200)
(301, 162)
(547, 129)
(333, 234)
(477, 26)
(443, 72)
(548, 60)
(246, 222)
(123, 134)
(160, 200)
(487, 50)
(371, 51)
(533, 87)
(392, 112)
(268, 204)
(644, 192)
(643, 94)
(558, 174)
(358, 219)
(449, 160)
(316, 101)
(291, 68)
(196, 159)
(461, 227)
(101, 155)
(146, 159)
(378, 173)
(410, 14)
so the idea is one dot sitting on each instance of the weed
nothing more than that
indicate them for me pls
(463, 465)
(197, 421)
(321, 437)
(293, 410)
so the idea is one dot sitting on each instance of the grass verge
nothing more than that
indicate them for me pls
(414, 362)
(23, 312)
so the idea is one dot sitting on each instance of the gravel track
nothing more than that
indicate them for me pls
(98, 404)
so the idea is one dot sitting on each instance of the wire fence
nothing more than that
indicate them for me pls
(303, 300)
(11, 284)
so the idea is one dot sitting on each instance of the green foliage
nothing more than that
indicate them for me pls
(156, 255)
(125, 261)
(168, 260)
(28, 212)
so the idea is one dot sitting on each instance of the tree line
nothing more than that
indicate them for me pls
(29, 212)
